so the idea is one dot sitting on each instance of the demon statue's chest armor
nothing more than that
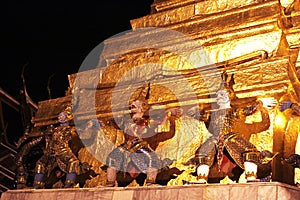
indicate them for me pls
(222, 121)
(61, 137)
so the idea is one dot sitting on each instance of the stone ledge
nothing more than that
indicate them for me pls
(258, 191)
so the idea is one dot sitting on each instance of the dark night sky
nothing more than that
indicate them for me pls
(54, 37)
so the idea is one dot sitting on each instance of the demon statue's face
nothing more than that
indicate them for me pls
(62, 117)
(225, 93)
(138, 109)
(222, 97)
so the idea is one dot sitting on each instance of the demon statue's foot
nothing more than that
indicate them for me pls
(38, 182)
(70, 180)
(111, 176)
(110, 184)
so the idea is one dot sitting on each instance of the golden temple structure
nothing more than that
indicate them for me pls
(181, 48)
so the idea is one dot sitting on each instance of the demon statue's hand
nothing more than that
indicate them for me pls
(269, 102)
(198, 113)
(94, 124)
(285, 105)
(89, 130)
(176, 112)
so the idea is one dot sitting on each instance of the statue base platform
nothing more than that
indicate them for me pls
(235, 191)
